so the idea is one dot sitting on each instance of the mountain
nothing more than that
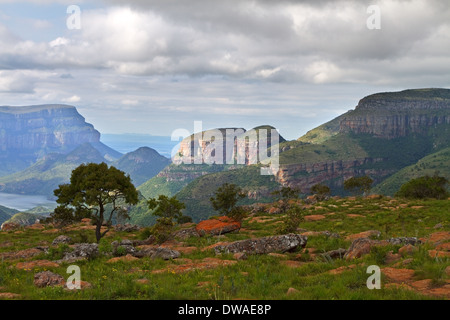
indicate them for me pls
(142, 164)
(53, 169)
(28, 133)
(6, 214)
(385, 133)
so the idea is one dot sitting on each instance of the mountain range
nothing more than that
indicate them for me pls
(391, 137)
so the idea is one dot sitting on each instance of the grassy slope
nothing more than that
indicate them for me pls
(437, 162)
(258, 277)
(6, 213)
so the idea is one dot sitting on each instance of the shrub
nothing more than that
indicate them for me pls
(424, 187)
(294, 216)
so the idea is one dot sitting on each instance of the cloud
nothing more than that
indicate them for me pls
(72, 99)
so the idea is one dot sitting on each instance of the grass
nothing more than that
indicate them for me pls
(260, 276)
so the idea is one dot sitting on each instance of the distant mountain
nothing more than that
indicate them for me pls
(142, 164)
(6, 213)
(45, 175)
(385, 133)
(29, 133)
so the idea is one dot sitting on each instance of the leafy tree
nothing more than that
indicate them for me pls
(97, 191)
(226, 199)
(425, 187)
(169, 211)
(284, 195)
(358, 184)
(294, 216)
(320, 190)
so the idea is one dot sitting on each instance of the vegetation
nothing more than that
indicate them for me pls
(169, 212)
(425, 187)
(92, 187)
(284, 195)
(321, 191)
(358, 184)
(294, 216)
(225, 201)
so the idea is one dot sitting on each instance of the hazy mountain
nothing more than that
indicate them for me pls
(142, 164)
(6, 213)
(29, 133)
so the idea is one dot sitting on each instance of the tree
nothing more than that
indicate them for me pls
(226, 199)
(294, 216)
(284, 195)
(358, 184)
(169, 211)
(425, 187)
(97, 191)
(320, 190)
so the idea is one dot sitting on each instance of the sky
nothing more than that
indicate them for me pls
(156, 66)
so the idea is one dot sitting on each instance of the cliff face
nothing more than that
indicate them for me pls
(34, 129)
(392, 115)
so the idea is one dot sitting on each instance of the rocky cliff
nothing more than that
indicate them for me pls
(30, 132)
(397, 114)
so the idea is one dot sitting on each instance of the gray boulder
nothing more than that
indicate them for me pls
(62, 240)
(154, 253)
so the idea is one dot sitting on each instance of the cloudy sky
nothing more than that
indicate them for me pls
(157, 65)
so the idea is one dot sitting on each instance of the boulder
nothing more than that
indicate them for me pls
(362, 246)
(127, 227)
(283, 243)
(217, 226)
(365, 234)
(123, 247)
(82, 251)
(335, 254)
(48, 279)
(184, 234)
(405, 241)
(62, 240)
(10, 226)
(159, 252)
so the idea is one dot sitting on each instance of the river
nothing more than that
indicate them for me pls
(23, 202)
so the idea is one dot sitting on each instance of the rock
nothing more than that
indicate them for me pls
(407, 250)
(447, 271)
(439, 237)
(438, 226)
(123, 248)
(10, 226)
(217, 226)
(9, 295)
(404, 240)
(341, 269)
(184, 234)
(240, 256)
(320, 233)
(391, 257)
(443, 246)
(292, 291)
(127, 227)
(438, 254)
(61, 240)
(422, 284)
(82, 251)
(48, 279)
(283, 243)
(362, 246)
(22, 254)
(30, 265)
(159, 252)
(365, 234)
(126, 258)
(333, 254)
(314, 217)
(398, 275)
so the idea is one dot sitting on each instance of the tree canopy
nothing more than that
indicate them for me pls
(96, 191)
(358, 184)
(425, 187)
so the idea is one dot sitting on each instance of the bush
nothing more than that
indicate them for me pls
(320, 190)
(294, 216)
(358, 184)
(424, 187)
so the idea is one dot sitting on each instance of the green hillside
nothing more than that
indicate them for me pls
(323, 132)
(438, 162)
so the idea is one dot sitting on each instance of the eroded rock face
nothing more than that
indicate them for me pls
(283, 243)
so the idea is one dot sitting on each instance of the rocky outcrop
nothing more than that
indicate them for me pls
(217, 226)
(397, 114)
(48, 279)
(283, 243)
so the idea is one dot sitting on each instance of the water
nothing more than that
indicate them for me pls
(23, 202)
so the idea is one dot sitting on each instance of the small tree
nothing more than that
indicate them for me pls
(169, 211)
(320, 190)
(294, 216)
(284, 195)
(358, 184)
(226, 199)
(425, 187)
(97, 191)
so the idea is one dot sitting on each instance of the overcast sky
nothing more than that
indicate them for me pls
(155, 66)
